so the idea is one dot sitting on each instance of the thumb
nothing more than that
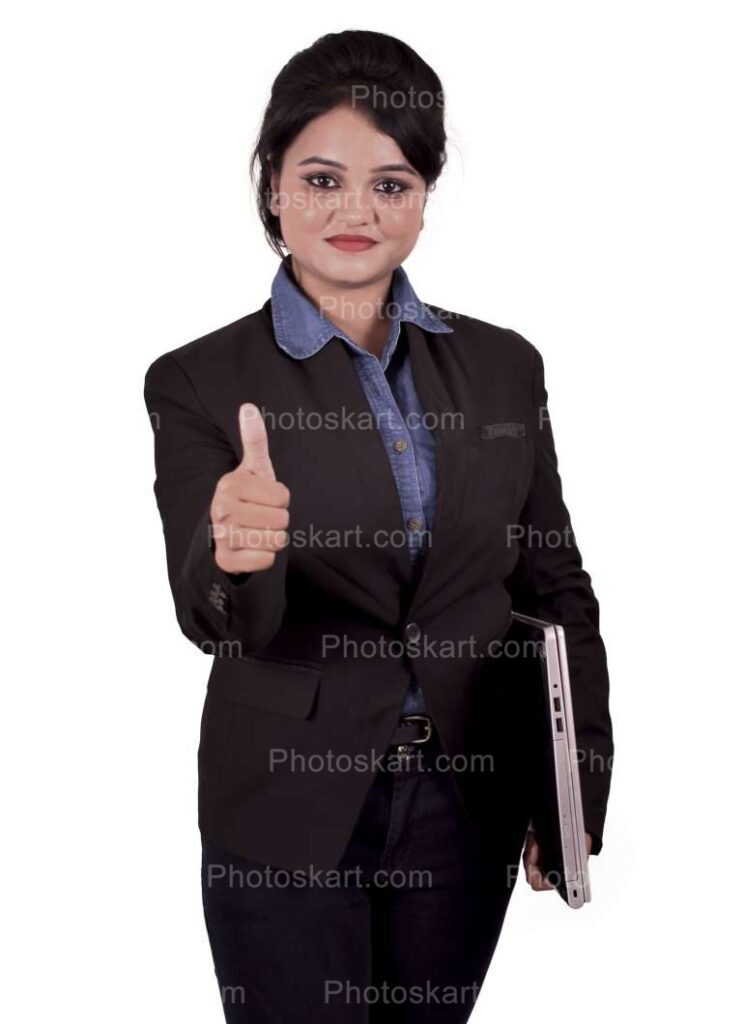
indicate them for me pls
(255, 441)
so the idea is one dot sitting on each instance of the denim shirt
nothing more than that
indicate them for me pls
(301, 331)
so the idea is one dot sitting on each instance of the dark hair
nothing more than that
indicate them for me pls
(370, 71)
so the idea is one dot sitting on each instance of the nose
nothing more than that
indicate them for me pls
(355, 209)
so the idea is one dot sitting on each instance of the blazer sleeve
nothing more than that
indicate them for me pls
(220, 612)
(556, 587)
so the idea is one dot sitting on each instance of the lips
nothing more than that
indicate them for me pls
(351, 243)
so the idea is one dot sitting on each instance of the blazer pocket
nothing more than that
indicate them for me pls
(489, 430)
(271, 684)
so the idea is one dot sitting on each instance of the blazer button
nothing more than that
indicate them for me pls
(412, 632)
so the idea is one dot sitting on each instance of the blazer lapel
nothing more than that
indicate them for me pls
(327, 383)
(432, 365)
(331, 386)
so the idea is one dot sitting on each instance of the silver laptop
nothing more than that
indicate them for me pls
(559, 822)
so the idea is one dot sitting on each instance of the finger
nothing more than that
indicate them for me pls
(530, 873)
(261, 490)
(532, 870)
(255, 442)
(250, 513)
(228, 537)
(244, 561)
(531, 854)
(265, 517)
(253, 538)
(237, 490)
(538, 880)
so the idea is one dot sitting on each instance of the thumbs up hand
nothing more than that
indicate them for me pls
(250, 508)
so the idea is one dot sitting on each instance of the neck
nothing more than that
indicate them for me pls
(359, 310)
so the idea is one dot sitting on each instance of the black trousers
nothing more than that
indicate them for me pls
(403, 930)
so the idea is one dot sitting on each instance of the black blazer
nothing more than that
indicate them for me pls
(312, 657)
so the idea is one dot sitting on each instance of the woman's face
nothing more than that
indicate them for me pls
(342, 177)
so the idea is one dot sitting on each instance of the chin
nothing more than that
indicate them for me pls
(353, 266)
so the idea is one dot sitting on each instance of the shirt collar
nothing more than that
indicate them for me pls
(301, 330)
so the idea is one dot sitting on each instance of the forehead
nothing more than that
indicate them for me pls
(345, 135)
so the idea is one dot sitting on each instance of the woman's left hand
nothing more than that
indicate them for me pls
(530, 857)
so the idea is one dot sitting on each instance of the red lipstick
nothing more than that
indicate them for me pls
(351, 243)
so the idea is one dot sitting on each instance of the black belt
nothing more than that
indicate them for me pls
(416, 729)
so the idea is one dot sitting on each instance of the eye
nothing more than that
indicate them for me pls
(315, 179)
(397, 187)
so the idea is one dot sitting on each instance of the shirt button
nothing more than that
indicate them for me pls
(415, 524)
(400, 445)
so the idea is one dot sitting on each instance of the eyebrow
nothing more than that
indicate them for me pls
(406, 168)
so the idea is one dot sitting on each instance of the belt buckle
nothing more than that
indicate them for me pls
(418, 718)
(404, 753)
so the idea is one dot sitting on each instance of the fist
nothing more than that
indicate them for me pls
(250, 508)
(531, 857)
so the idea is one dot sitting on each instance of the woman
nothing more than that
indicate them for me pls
(355, 490)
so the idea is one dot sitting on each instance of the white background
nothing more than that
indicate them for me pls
(593, 202)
